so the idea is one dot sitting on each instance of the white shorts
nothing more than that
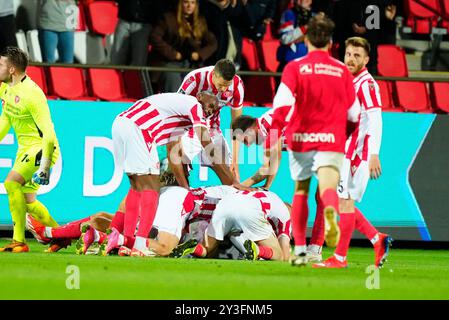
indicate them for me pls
(304, 164)
(239, 214)
(353, 179)
(169, 211)
(130, 150)
(192, 147)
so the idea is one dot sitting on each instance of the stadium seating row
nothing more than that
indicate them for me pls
(113, 85)
(423, 15)
(87, 84)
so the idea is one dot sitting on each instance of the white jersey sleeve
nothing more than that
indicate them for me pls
(279, 215)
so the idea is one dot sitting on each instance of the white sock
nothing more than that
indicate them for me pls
(121, 240)
(314, 248)
(140, 243)
(340, 258)
(96, 236)
(374, 240)
(300, 249)
(47, 232)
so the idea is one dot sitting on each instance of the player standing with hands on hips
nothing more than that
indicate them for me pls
(314, 102)
(25, 109)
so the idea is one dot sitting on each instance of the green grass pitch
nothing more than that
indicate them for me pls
(408, 274)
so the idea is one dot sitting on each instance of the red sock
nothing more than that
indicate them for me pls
(103, 236)
(200, 251)
(118, 222)
(132, 206)
(148, 207)
(70, 230)
(300, 213)
(129, 242)
(265, 252)
(330, 199)
(347, 225)
(318, 225)
(364, 226)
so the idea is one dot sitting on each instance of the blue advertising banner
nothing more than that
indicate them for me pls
(85, 179)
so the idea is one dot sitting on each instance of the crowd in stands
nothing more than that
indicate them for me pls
(193, 33)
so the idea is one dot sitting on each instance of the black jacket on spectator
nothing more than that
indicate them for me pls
(217, 23)
(143, 11)
(258, 11)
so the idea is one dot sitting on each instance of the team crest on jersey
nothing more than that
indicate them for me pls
(305, 69)
(17, 99)
(227, 94)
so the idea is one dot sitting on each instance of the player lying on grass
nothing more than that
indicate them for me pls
(250, 217)
(60, 237)
(158, 120)
(361, 160)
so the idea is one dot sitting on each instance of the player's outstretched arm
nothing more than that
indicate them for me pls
(174, 156)
(235, 146)
(41, 115)
(284, 242)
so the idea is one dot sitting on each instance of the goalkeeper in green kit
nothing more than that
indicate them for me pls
(25, 109)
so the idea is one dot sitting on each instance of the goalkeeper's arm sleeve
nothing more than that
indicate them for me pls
(4, 126)
(41, 115)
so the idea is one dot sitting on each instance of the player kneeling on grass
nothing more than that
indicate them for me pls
(156, 121)
(246, 214)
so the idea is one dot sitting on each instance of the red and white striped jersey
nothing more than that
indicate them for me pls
(207, 198)
(366, 139)
(201, 80)
(264, 123)
(164, 117)
(274, 209)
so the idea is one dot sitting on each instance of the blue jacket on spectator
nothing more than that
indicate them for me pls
(292, 30)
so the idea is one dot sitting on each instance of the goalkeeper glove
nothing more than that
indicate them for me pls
(42, 175)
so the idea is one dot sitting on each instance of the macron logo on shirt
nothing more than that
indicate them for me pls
(305, 69)
(314, 137)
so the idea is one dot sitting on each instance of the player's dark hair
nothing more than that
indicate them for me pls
(359, 42)
(319, 31)
(17, 57)
(225, 69)
(242, 124)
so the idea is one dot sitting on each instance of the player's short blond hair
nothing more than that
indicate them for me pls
(359, 42)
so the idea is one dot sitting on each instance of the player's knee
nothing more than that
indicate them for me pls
(12, 186)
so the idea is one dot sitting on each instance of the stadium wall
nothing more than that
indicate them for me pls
(408, 201)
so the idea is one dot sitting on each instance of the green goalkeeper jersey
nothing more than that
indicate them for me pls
(25, 109)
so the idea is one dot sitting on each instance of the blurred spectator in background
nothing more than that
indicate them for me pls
(292, 31)
(57, 21)
(225, 19)
(181, 40)
(261, 14)
(7, 24)
(131, 36)
(351, 19)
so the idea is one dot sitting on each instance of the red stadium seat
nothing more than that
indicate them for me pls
(68, 83)
(439, 92)
(107, 84)
(445, 14)
(269, 33)
(268, 51)
(81, 25)
(259, 90)
(420, 18)
(249, 54)
(133, 84)
(102, 17)
(412, 96)
(386, 96)
(37, 74)
(391, 61)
